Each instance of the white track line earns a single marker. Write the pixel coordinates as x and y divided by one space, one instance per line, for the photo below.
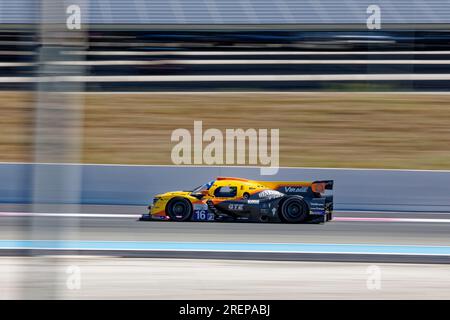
17 64
373 212
230 78
17 53
236 62
374 219
303 93
224 167
135 216
253 61
245 53
68 215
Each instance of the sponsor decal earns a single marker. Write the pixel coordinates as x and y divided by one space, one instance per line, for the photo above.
253 201
295 189
200 206
236 206
317 206
274 211
270 194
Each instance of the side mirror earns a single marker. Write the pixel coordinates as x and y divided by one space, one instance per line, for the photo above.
197 195
200 195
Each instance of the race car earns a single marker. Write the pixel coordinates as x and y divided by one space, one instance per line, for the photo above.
238 199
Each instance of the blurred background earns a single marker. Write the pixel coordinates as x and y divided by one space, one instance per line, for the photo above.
350 84
138 71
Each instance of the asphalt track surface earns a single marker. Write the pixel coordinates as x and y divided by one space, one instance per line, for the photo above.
349 228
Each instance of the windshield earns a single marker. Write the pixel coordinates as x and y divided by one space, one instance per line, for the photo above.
205 186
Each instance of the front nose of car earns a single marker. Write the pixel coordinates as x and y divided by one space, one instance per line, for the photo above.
154 201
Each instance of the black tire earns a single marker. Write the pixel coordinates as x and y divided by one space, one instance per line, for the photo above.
294 210
246 195
179 209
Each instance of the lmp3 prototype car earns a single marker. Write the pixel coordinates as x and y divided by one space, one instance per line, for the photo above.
236 199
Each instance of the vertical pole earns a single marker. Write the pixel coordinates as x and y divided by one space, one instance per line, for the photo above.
57 139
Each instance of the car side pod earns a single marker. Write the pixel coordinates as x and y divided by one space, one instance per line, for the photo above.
149 217
146 217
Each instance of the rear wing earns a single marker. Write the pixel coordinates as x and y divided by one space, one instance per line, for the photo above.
300 187
321 186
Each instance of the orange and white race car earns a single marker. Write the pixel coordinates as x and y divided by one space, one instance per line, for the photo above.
237 199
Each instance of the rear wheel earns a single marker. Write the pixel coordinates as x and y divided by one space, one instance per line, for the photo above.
179 209
294 210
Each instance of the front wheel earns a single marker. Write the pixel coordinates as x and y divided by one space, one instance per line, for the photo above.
294 210
179 209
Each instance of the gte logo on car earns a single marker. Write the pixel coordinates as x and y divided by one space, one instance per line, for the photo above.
236 206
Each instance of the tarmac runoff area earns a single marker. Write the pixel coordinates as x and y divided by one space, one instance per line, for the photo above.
119 278
198 274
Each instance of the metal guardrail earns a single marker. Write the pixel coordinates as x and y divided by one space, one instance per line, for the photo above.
354 189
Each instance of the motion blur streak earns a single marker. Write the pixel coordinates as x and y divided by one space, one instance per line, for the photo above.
119 278
56 137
